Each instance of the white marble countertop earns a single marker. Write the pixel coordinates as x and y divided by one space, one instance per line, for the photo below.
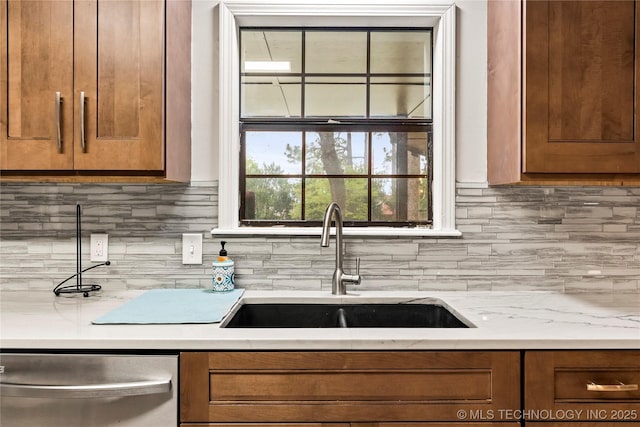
502 320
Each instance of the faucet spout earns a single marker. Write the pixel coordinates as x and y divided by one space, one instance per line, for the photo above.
340 279
333 210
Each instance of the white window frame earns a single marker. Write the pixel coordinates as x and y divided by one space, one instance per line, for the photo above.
236 13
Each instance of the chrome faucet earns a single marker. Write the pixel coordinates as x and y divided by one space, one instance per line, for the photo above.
340 279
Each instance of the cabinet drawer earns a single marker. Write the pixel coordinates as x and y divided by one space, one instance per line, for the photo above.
585 424
427 424
437 424
346 386
586 385
264 425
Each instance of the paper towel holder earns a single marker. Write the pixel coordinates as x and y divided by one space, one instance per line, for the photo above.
78 288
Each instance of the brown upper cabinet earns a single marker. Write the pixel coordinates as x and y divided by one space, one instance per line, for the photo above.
563 91
85 86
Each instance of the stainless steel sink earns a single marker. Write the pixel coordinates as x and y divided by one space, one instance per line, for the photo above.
363 315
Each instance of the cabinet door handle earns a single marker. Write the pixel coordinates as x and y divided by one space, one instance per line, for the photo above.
81 107
611 387
58 120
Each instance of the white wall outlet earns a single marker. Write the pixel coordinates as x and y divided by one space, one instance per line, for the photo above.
192 248
99 247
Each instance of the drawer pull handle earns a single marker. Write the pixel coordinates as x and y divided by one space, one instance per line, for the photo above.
612 387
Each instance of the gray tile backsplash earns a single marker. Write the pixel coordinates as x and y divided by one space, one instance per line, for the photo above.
567 239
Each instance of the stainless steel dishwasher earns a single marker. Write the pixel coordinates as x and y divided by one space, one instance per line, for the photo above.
69 390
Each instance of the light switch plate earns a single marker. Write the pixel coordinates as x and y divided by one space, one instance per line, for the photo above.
99 247
192 248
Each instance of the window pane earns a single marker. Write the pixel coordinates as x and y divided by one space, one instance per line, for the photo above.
350 193
399 199
273 153
275 199
401 52
336 52
336 153
262 49
263 96
400 97
399 153
335 85
335 97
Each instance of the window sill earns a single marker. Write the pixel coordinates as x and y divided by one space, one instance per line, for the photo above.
347 231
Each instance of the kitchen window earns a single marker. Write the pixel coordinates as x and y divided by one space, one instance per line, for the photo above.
298 129
335 114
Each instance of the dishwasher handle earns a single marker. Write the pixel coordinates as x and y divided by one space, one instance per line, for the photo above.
86 391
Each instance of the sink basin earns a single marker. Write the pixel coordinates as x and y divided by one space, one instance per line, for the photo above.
373 315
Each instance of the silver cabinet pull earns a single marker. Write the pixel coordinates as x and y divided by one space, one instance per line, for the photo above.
58 120
81 107
86 391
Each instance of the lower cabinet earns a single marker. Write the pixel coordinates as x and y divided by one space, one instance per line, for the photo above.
264 424
582 424
363 389
480 424
460 424
411 389
598 388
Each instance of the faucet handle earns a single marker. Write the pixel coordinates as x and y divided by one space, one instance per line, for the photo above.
355 278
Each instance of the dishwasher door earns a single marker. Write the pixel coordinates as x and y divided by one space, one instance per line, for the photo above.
73 390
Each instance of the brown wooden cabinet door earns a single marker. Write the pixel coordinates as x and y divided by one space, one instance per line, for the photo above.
36 50
581 71
586 385
583 424
118 61
429 424
266 425
110 52
326 386
403 424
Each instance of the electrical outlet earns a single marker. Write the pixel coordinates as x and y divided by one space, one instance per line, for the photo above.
192 248
99 247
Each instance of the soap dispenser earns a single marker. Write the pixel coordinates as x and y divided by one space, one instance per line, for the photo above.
223 271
